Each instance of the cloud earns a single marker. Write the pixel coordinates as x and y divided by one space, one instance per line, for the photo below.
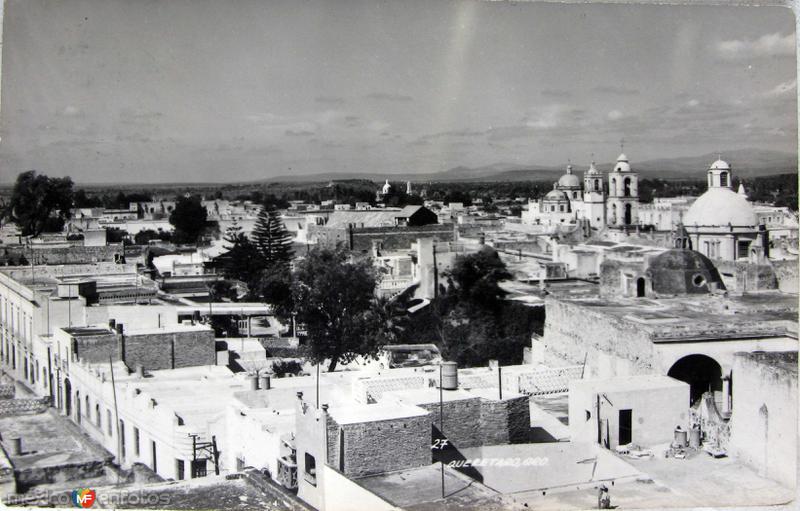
454 133
71 111
556 93
387 96
329 100
616 90
614 115
785 88
769 45
302 133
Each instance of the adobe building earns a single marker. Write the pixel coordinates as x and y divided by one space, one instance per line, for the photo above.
666 313
643 410
764 424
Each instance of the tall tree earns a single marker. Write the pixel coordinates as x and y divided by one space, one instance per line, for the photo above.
189 219
272 239
39 203
241 261
334 297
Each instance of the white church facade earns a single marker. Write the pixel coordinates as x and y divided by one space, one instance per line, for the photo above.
615 205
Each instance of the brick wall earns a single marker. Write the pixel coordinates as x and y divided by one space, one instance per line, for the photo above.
381 446
97 348
461 421
168 351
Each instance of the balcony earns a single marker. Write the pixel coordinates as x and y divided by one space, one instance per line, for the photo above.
287 472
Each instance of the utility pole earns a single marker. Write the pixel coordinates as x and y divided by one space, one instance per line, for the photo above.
441 407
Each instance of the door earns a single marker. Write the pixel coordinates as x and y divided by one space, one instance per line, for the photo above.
625 427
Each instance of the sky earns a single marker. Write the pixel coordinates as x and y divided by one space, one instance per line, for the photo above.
203 90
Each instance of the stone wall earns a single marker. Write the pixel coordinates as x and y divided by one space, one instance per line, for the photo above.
786 273
462 426
63 255
381 446
747 276
506 421
612 347
23 406
7 391
392 238
77 472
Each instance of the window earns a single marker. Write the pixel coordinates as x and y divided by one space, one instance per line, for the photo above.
109 423
122 439
310 469
627 183
179 470
136 441
743 249
97 419
88 409
153 455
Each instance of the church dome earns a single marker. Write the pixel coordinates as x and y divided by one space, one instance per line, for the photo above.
623 165
720 207
569 181
720 165
680 271
556 195
592 170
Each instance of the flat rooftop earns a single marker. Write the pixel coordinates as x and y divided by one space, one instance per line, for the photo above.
763 314
629 383
48 440
383 411
421 488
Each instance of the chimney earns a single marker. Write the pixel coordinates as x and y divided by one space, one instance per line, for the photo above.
16 446
254 383
112 324
120 328
140 370
266 382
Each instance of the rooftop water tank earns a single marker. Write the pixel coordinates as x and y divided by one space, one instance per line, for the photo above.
449 376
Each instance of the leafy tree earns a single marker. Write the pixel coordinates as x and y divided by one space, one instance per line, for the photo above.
334 297
82 200
39 203
470 320
273 241
241 261
476 278
189 219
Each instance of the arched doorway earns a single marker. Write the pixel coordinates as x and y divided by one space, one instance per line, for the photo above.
640 283
628 214
67 397
701 372
78 406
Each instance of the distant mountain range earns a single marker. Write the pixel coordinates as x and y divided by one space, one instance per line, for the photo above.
747 163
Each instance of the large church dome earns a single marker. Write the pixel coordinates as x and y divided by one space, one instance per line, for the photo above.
569 181
720 207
